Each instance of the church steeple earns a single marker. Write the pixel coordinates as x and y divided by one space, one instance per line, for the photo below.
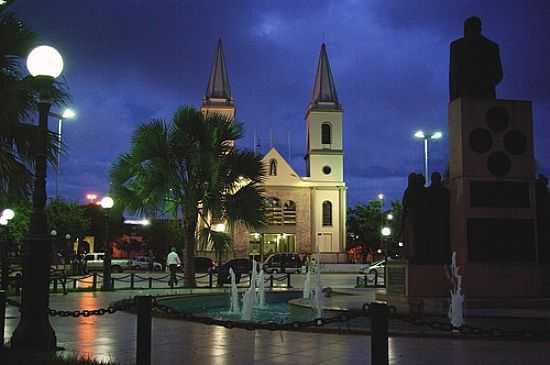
324 88
218 97
218 83
324 120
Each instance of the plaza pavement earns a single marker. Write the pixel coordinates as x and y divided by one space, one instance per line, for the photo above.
112 337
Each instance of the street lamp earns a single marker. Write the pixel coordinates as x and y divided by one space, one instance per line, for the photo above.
386 232
67 114
7 215
426 137
390 217
34 330
107 203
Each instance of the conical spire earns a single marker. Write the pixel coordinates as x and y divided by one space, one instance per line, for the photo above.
218 83
324 89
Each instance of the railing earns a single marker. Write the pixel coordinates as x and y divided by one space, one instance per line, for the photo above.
366 282
379 314
132 279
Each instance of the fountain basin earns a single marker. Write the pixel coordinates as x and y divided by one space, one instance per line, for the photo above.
277 308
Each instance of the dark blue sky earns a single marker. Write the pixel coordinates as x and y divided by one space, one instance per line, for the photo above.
128 61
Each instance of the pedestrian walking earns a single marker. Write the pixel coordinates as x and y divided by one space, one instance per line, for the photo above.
172 261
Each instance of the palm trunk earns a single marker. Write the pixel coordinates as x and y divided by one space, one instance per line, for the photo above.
190 228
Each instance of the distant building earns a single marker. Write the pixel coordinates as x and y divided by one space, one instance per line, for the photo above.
304 212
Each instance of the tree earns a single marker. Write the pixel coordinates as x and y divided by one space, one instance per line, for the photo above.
19 95
67 218
163 234
190 168
365 222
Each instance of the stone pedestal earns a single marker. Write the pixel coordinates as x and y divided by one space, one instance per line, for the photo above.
416 288
493 206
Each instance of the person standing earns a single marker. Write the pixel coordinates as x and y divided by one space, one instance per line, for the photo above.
172 261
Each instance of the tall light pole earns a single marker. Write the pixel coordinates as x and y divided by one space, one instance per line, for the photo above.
386 232
67 114
107 203
34 331
427 137
7 215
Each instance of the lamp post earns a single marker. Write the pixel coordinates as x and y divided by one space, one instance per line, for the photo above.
7 215
386 232
427 137
67 114
107 203
34 331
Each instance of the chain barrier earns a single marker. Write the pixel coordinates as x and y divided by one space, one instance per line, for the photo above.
467 330
121 305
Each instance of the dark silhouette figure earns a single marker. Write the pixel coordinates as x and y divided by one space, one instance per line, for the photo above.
413 221
408 216
543 216
475 67
438 218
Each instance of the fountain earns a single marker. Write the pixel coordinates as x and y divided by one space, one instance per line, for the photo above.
456 308
307 282
261 288
235 307
249 297
317 301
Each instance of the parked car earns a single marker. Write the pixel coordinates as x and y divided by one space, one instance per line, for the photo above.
375 267
202 264
145 263
94 262
289 262
240 267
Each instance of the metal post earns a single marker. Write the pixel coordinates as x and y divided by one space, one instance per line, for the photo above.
58 168
143 346
94 280
34 331
210 274
4 258
271 280
112 283
426 159
2 316
107 269
288 281
131 280
379 338
150 282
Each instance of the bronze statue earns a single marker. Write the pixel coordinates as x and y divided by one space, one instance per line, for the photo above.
475 68
438 215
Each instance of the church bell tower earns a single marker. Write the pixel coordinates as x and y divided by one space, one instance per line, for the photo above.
325 153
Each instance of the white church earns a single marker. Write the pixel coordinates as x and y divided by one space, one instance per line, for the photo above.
304 212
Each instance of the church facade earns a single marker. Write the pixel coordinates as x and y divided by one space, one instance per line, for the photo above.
304 213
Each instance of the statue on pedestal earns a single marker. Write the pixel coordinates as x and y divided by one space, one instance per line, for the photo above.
475 67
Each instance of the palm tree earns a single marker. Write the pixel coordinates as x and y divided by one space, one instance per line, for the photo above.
188 168
18 95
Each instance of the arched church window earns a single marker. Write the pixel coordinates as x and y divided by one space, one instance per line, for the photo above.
273 167
289 212
327 213
274 211
326 134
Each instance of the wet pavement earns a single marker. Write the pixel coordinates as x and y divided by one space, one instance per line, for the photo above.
112 337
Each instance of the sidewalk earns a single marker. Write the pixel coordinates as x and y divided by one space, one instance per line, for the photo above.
112 337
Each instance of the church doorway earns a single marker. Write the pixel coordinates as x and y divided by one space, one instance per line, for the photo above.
265 244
